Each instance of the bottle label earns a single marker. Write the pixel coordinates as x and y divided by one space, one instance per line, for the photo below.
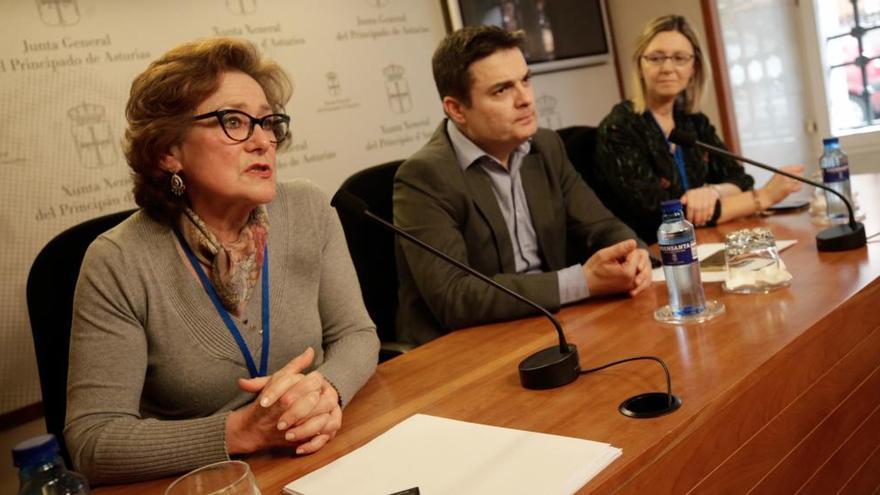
836 174
683 253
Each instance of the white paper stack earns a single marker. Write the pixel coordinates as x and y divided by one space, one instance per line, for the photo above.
445 456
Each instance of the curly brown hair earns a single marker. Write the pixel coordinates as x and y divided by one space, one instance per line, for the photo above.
161 105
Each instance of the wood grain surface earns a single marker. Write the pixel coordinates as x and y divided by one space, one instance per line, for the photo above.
781 394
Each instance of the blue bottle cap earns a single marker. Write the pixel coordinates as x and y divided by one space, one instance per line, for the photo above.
670 206
36 450
831 140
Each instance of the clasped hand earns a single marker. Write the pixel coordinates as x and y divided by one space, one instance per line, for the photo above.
622 267
700 204
291 409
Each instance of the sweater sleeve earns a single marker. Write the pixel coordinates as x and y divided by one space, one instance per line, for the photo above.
109 440
349 336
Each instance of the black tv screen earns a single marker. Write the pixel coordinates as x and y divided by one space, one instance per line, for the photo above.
559 33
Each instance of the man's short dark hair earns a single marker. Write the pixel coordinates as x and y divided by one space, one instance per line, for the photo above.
460 49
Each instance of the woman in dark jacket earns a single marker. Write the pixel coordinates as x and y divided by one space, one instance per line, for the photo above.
637 168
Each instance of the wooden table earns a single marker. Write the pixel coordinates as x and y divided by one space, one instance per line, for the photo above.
780 394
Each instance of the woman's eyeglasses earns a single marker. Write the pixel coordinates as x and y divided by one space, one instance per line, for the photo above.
679 59
239 126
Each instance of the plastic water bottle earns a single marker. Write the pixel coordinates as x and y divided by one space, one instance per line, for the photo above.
41 470
835 174
681 266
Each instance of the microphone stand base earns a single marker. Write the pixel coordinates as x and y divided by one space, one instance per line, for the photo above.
550 368
841 238
649 405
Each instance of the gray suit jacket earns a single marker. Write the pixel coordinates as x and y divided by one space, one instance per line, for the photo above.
456 211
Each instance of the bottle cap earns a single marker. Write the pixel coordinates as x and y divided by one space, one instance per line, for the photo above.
670 206
831 140
35 450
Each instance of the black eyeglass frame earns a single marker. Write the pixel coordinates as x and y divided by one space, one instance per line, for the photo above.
220 114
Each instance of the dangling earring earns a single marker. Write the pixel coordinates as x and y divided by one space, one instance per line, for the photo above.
177 185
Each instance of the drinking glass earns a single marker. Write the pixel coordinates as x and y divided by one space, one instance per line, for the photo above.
221 478
753 262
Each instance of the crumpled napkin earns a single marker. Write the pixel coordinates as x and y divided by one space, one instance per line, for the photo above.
758 273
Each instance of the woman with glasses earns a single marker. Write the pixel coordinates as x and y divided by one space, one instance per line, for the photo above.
224 317
637 167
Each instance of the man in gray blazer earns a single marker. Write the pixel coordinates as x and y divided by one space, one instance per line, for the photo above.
496 192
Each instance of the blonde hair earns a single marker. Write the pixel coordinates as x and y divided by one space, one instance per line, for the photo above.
689 100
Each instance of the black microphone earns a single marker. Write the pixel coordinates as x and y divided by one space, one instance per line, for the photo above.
836 238
549 368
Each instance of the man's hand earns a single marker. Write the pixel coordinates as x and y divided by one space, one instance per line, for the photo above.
622 267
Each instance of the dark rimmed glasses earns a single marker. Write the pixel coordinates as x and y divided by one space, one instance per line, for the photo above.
239 126
679 59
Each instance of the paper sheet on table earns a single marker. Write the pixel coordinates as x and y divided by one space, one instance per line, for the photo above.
706 250
440 456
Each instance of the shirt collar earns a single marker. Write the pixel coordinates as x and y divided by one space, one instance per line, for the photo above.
468 153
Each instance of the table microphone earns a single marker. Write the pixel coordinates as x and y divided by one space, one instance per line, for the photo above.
549 368
836 238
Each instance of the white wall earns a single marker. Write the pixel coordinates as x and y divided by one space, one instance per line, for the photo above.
65 70
581 96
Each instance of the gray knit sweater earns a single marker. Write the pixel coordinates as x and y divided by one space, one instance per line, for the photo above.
153 369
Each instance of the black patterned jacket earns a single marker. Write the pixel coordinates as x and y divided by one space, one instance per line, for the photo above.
634 170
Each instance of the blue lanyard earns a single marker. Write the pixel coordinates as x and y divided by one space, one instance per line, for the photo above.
678 156
679 162
212 293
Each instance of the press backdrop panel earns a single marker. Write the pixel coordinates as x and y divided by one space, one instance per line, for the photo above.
363 95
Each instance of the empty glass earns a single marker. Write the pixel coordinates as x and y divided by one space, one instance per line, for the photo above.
753 262
221 478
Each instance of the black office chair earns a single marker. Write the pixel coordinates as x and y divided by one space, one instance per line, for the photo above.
50 288
372 251
580 146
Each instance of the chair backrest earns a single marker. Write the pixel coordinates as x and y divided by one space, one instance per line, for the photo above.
372 247
580 146
50 288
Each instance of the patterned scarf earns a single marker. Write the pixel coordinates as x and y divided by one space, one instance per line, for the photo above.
234 267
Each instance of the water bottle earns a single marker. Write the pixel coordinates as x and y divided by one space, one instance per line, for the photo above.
835 174
681 266
41 470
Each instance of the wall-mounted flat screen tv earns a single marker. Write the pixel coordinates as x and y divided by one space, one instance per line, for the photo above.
560 34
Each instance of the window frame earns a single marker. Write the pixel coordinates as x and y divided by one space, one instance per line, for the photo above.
858 142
